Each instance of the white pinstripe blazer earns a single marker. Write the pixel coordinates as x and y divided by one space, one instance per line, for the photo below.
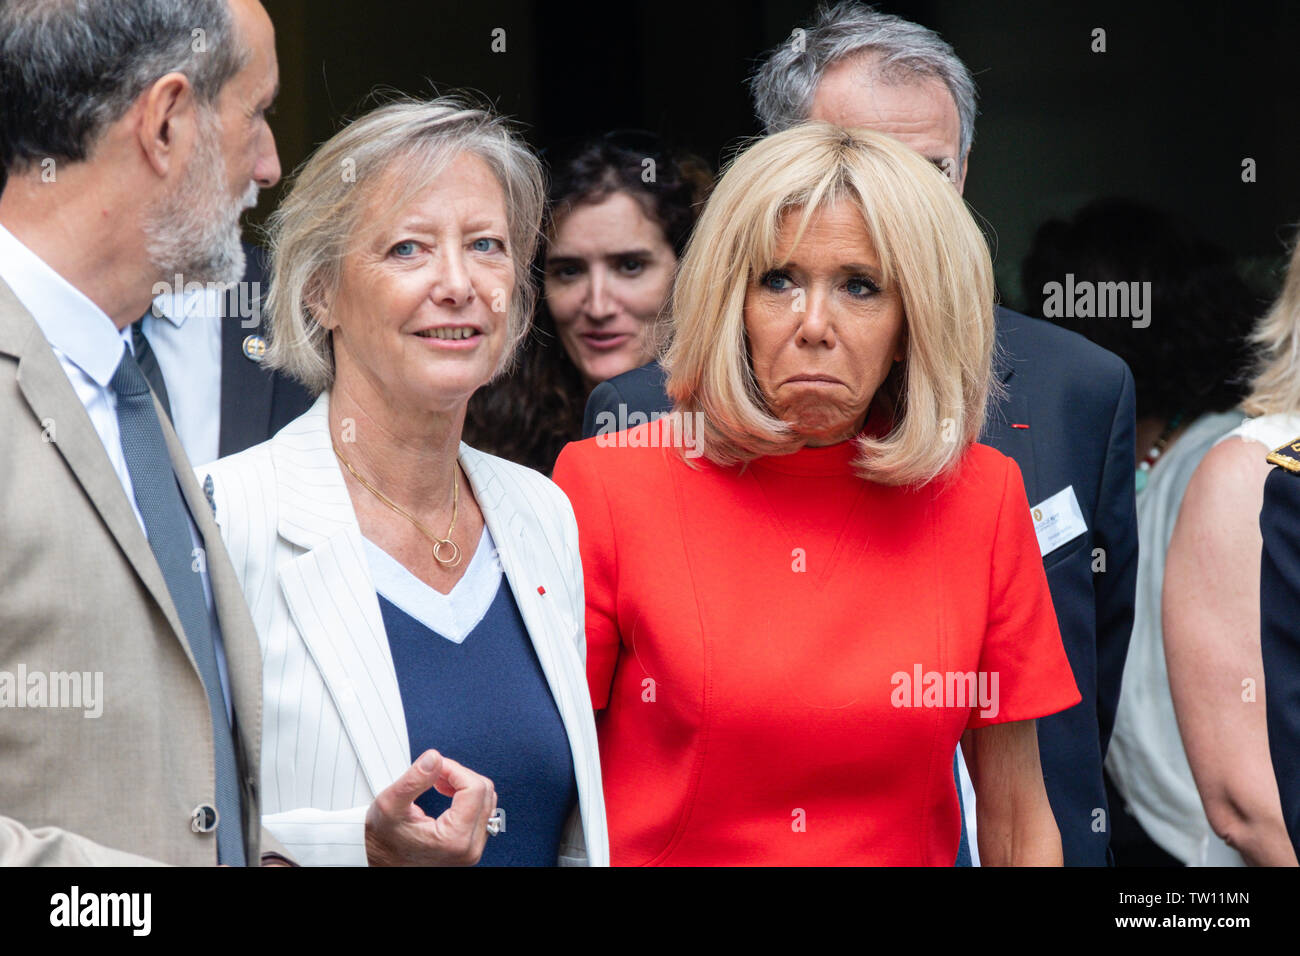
334 731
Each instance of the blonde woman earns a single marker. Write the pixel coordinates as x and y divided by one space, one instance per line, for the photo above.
418 603
1211 607
789 635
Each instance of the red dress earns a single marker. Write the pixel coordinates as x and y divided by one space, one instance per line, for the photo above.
785 655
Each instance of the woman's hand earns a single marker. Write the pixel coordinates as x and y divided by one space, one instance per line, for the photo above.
399 833
1013 820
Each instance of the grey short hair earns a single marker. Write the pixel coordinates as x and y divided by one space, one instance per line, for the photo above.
70 68
321 219
786 80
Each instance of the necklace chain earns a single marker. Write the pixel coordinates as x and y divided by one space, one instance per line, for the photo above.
1157 449
439 544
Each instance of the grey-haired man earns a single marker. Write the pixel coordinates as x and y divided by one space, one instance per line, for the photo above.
132 135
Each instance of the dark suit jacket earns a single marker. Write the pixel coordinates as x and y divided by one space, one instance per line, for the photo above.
255 401
1279 636
1076 403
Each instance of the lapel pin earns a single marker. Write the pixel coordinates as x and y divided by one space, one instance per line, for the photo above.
1019 426
254 347
540 589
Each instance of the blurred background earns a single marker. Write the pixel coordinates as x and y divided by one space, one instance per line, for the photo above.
1182 95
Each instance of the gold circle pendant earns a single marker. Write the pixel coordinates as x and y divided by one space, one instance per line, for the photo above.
439 546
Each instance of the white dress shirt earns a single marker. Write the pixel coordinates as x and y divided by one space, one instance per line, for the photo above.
187 342
89 348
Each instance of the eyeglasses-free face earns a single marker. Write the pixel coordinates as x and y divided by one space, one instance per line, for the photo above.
608 274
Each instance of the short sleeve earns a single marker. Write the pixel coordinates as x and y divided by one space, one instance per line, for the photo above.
1022 648
582 483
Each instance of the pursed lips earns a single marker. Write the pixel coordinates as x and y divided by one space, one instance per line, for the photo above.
812 380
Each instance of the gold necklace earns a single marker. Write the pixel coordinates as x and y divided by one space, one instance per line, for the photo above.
439 544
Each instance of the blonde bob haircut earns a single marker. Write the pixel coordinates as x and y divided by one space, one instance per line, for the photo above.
1275 386
384 159
931 252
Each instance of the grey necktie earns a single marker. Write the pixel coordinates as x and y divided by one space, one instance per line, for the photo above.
166 523
148 363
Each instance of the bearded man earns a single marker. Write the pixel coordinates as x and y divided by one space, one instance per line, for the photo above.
132 136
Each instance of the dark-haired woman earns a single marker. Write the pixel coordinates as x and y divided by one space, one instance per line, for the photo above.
620 210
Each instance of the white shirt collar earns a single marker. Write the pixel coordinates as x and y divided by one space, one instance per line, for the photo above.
70 322
178 305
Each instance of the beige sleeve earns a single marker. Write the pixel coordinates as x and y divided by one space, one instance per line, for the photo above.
50 846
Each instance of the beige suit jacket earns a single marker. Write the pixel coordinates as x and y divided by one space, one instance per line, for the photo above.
81 592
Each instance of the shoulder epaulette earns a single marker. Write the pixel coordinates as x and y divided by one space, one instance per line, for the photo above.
1287 456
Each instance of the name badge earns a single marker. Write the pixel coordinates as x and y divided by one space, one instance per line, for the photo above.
1057 520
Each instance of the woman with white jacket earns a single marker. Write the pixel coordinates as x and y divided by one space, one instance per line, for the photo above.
419 604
